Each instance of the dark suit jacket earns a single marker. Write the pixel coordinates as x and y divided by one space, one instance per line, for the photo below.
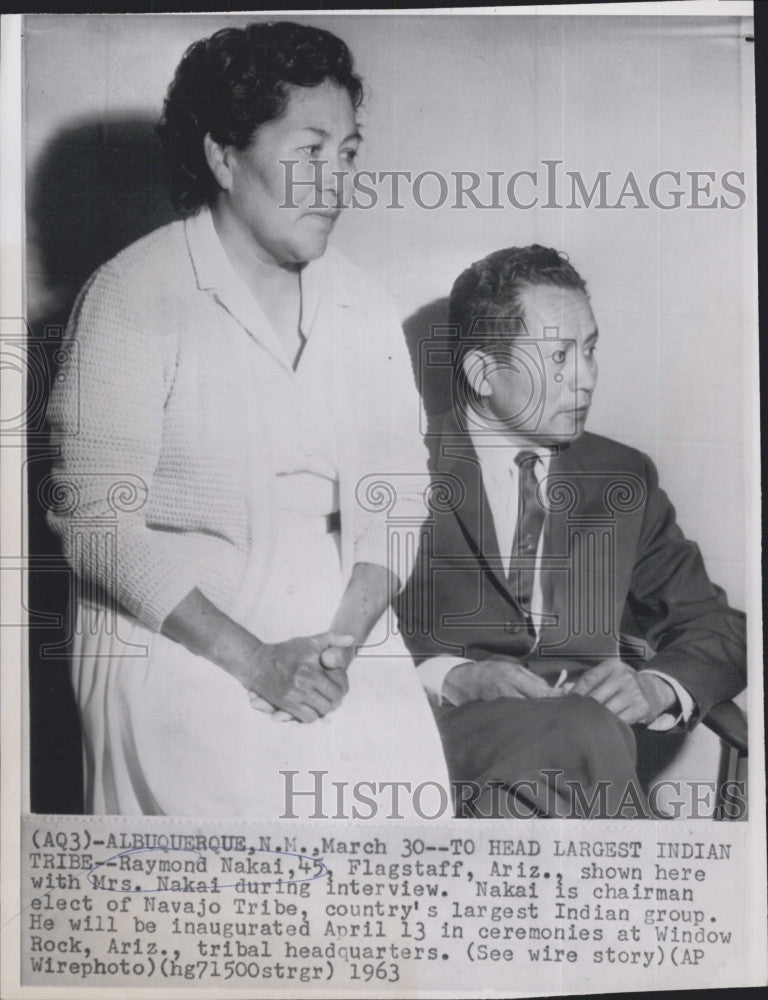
617 575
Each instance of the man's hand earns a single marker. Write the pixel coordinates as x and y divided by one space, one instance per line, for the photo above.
291 676
634 696
486 680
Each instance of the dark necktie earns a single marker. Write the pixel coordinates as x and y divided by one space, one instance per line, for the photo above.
530 520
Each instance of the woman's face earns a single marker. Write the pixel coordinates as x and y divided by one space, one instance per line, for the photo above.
289 209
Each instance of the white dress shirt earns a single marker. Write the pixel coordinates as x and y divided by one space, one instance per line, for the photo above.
501 482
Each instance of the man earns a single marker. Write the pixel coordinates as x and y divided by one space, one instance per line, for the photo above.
555 603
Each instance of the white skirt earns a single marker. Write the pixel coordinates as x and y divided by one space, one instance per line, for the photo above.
167 732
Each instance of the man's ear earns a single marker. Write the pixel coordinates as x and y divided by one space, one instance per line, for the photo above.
477 367
218 159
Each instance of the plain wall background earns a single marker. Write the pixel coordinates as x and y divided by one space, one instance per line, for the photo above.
672 290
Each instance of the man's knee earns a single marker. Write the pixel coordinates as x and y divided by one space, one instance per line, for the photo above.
589 728
512 735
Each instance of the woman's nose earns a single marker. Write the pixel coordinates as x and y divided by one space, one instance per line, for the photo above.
330 177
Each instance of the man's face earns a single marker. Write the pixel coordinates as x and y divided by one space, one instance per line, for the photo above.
541 390
317 124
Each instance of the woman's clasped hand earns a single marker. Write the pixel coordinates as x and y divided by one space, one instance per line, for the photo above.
305 677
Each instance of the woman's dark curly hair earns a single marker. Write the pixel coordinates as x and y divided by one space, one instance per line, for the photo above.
229 84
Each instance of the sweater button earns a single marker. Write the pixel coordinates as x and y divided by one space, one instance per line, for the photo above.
511 628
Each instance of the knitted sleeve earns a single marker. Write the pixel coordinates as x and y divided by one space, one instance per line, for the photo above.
106 416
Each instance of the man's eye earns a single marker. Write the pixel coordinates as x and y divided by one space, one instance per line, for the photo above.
590 353
313 150
349 155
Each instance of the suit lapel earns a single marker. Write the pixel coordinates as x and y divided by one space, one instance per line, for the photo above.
575 583
564 493
457 457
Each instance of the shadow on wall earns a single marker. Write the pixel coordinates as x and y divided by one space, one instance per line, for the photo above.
97 186
432 348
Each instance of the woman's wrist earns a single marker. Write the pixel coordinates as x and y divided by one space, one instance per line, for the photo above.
203 629
370 591
239 653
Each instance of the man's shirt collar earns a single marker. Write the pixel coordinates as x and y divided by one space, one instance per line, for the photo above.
497 453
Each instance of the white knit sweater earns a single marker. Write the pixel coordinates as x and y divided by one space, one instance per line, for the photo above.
175 387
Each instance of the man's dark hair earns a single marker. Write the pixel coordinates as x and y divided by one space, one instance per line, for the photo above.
229 84
491 290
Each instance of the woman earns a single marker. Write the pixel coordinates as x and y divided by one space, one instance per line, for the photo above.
236 394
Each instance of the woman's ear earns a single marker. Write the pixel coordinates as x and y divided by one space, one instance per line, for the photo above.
477 367
219 161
